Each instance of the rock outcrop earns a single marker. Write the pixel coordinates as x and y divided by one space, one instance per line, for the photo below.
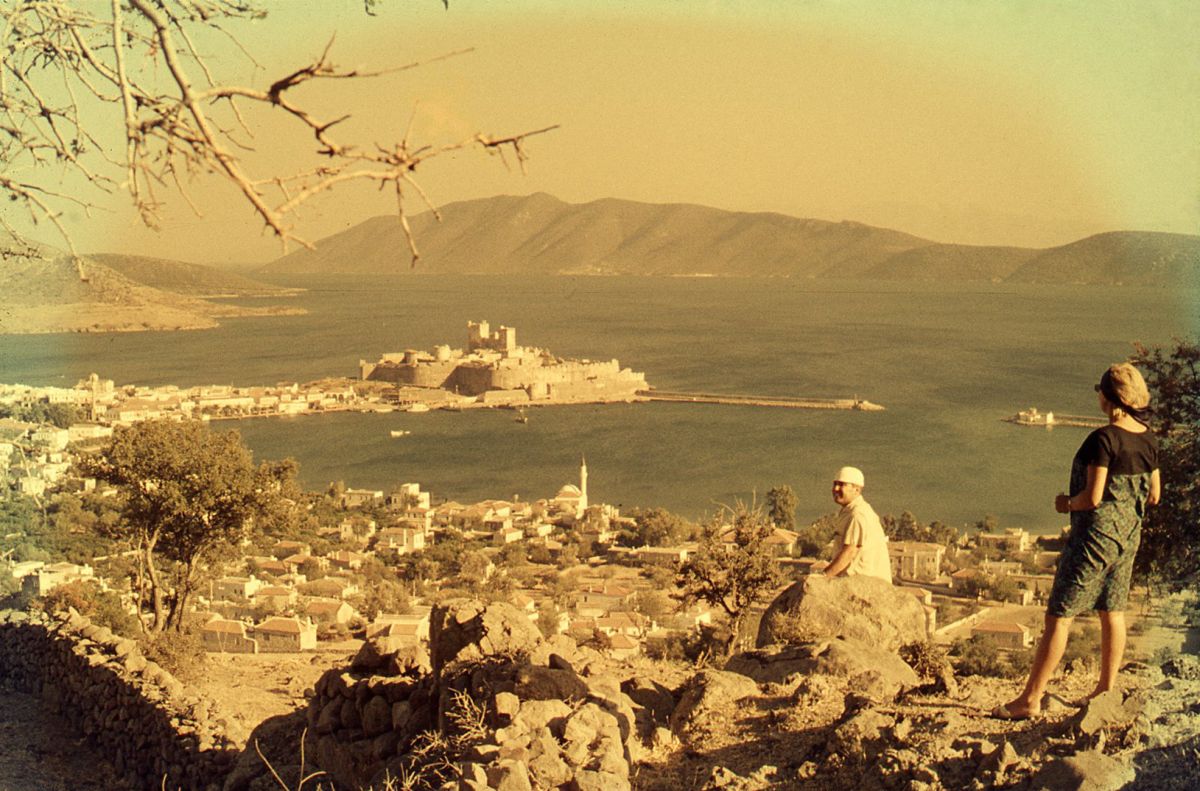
784 664
866 609
485 707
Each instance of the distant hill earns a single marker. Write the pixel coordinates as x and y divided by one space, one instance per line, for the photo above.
541 234
42 290
184 278
1119 257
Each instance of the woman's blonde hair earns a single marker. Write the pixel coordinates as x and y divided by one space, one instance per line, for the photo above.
1128 385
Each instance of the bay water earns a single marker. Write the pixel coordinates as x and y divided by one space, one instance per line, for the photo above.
947 361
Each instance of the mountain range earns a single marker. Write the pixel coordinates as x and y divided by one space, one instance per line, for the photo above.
540 234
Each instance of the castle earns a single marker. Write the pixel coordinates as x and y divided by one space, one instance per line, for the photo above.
495 371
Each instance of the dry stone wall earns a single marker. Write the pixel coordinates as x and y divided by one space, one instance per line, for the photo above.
128 707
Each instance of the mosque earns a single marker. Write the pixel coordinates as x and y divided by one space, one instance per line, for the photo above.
572 498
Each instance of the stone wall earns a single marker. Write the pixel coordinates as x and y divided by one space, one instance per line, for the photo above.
129 708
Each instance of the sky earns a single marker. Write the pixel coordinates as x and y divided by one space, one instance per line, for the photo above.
984 122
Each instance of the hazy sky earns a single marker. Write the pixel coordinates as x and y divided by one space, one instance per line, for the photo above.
1027 123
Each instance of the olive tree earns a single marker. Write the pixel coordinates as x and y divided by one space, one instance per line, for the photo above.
733 568
188 495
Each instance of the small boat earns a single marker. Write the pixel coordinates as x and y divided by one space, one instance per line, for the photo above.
396 432
418 407
521 416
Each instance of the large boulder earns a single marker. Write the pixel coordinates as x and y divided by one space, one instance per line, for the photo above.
468 630
1089 770
840 658
707 698
866 609
391 656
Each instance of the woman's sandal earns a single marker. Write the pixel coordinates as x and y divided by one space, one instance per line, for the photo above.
1002 712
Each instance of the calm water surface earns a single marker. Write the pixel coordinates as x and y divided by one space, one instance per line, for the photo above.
947 361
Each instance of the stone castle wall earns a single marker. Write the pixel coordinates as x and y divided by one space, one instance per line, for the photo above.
425 374
129 708
571 379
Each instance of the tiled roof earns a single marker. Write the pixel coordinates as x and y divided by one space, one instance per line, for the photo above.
280 626
222 626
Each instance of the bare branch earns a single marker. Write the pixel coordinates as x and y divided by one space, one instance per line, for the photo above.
174 130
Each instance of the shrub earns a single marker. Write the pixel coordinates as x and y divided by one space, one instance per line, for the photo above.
980 656
180 653
926 657
1083 645
103 608
1162 655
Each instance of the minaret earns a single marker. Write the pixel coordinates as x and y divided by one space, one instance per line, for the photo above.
583 498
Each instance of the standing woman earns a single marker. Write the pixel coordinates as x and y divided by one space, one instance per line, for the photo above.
1114 476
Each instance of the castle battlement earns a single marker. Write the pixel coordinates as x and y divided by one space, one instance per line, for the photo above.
494 362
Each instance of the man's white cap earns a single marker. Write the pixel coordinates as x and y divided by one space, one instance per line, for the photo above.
850 475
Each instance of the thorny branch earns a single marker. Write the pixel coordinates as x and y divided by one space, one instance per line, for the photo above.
61 64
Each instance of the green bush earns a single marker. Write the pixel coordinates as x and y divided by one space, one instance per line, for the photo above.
926 657
1083 645
103 608
180 653
1162 655
980 656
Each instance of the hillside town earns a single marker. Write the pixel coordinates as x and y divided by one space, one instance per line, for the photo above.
493 372
572 564
355 596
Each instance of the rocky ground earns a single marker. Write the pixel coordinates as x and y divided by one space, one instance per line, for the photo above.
253 688
819 714
38 750
833 715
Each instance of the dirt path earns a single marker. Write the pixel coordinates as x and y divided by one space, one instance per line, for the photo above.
250 688
39 750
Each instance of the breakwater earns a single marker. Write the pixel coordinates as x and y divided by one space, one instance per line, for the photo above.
760 400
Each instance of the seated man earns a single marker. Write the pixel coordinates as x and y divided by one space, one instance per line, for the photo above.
862 547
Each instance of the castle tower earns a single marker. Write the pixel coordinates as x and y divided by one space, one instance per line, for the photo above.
583 498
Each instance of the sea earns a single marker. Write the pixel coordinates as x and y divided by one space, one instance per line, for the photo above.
948 361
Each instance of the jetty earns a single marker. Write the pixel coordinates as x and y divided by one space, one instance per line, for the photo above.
788 402
1032 417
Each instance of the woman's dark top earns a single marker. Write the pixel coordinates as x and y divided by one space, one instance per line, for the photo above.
1130 458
